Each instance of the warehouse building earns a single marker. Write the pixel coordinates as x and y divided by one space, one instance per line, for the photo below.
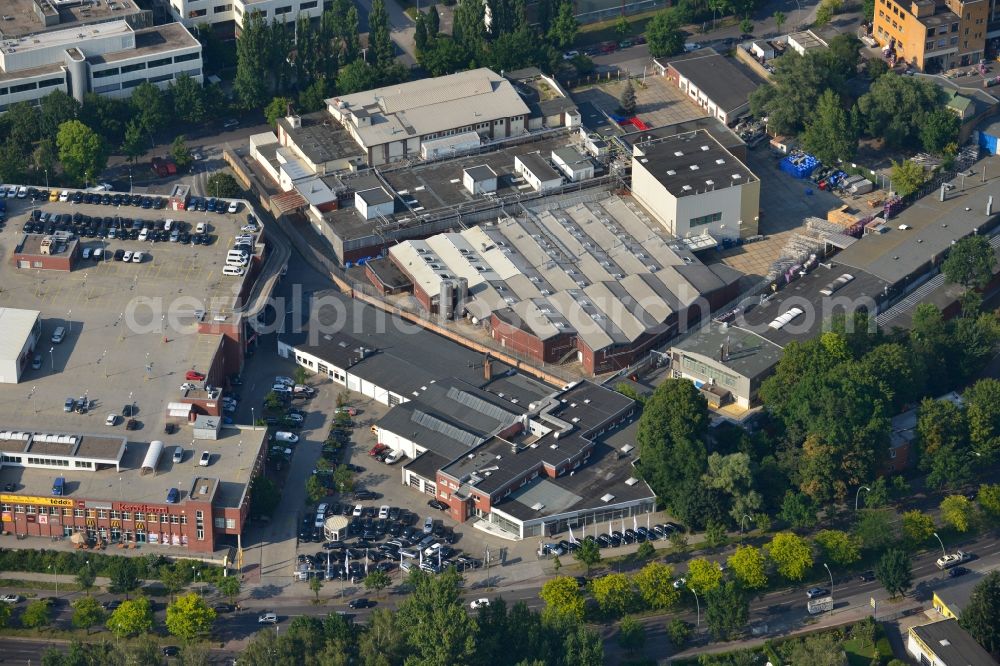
79 47
392 123
102 488
713 82
20 331
594 283
946 643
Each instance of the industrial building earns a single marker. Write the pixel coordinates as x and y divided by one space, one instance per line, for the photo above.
713 82
53 252
533 469
594 282
393 122
946 643
78 47
235 12
104 488
20 331
693 187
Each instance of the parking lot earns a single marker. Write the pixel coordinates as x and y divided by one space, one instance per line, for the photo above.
130 328
659 103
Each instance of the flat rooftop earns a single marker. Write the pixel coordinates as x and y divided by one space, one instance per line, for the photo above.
67 36
227 475
151 41
31 244
748 353
719 78
23 20
952 644
689 164
15 327
321 139
933 226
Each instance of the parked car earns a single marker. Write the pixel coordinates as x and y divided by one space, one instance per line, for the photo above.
435 504
814 592
10 598
194 376
267 618
355 604
476 604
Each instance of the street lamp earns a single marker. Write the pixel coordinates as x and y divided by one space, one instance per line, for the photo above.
857 495
944 553
52 356
743 520
69 320
697 606
831 585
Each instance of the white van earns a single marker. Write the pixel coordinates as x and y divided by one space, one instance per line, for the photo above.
202 227
233 271
97 254
236 260
168 224
144 234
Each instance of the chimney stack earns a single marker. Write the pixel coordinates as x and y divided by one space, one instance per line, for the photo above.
488 368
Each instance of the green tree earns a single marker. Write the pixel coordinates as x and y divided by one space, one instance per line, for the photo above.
87 612
970 262
779 20
918 527
383 644
36 615
797 83
229 587
622 27
703 575
432 617
943 440
176 577
133 145
645 550
958 512
816 650
798 510
981 615
671 435
468 26
150 107
5 615
664 34
44 156
562 597
134 616
746 25
989 500
749 567
826 11
678 631
313 98
81 151
277 109
377 581
655 585
613 593
314 490
443 57
56 108
839 547
565 26
315 585
356 76
829 133
588 554
631 635
124 575
264 497
733 475
378 34
420 33
939 130
894 571
791 554
188 99
875 528
895 107
627 101
85 578
250 85
221 184
727 610
189 617
433 22
180 152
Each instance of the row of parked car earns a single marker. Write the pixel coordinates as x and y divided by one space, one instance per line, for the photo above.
616 538
105 198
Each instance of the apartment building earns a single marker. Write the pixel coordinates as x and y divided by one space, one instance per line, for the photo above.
933 36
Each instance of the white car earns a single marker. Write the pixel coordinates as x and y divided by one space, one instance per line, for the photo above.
10 598
233 207
954 559
188 386
383 512
393 457
569 55
128 256
138 257
289 437
295 418
64 195
358 510
206 457
267 618
679 583
249 228
22 192
287 381
111 420
476 604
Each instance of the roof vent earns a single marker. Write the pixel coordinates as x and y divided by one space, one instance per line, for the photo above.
720 161
678 153
694 167
671 172
537 506
607 498
631 481
705 148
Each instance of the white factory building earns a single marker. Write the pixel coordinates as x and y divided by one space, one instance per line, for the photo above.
78 50
19 333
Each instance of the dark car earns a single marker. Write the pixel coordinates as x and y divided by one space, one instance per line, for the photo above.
434 504
604 541
171 651
365 495
867 576
222 608
355 604
955 572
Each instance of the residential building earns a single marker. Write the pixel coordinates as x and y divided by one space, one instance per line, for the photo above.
391 123
20 331
933 35
950 599
693 186
945 643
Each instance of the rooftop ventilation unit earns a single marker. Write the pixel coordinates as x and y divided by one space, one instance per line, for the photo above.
607 498
631 481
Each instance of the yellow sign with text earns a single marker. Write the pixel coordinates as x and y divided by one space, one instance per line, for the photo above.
28 499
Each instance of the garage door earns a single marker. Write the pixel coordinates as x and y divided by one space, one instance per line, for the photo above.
23 264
